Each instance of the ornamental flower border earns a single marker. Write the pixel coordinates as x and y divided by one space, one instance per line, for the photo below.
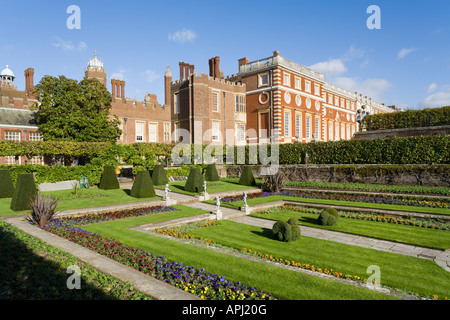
395 200
206 285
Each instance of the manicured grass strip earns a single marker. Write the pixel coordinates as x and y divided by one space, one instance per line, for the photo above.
437 239
280 282
421 276
31 269
211 187
109 197
382 206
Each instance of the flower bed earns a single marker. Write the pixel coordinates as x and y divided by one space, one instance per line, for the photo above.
197 281
110 215
431 224
395 200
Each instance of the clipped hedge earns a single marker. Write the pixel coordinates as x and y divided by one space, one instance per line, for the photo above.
211 173
428 117
6 184
142 186
109 179
194 182
247 178
56 173
159 177
24 192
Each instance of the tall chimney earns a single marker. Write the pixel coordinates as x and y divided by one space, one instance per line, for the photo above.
181 70
122 93
167 84
216 67
113 89
29 85
186 71
211 67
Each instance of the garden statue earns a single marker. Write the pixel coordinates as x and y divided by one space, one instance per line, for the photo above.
166 191
218 203
218 211
245 198
204 187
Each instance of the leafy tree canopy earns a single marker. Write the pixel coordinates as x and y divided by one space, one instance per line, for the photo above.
75 111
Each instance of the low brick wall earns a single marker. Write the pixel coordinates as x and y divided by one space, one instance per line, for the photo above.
426 175
406 132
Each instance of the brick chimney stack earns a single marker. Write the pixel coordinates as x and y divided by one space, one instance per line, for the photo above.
186 70
167 84
242 62
29 82
214 67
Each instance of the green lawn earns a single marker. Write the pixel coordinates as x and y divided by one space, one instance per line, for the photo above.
398 271
211 187
256 201
93 198
438 239
281 282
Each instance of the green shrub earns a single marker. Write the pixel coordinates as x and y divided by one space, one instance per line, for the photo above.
194 182
211 173
6 184
159 177
142 186
293 221
109 179
407 119
282 231
24 192
247 178
328 217
295 232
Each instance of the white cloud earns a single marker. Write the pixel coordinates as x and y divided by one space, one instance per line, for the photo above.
120 74
353 53
438 99
151 75
185 35
431 87
330 68
69 45
372 87
404 52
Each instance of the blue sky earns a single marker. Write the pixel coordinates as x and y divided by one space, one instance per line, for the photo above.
405 63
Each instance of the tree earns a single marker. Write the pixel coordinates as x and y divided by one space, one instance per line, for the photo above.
75 111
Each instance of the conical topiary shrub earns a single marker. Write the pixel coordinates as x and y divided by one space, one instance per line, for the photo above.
142 186
247 178
211 173
6 184
159 177
194 182
24 192
109 179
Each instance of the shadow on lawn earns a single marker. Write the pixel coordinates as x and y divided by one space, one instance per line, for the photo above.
267 233
24 275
